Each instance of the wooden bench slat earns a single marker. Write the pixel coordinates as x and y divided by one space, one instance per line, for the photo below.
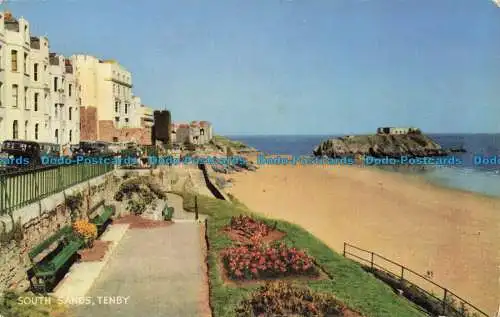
48 242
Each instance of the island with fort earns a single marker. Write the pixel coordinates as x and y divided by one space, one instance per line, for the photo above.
387 142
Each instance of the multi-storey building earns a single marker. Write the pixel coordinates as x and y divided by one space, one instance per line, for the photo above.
110 112
26 95
15 116
64 121
147 116
40 88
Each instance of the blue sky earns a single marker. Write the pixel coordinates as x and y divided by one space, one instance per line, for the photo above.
297 66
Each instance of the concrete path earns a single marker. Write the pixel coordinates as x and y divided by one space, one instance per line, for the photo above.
158 271
176 202
82 275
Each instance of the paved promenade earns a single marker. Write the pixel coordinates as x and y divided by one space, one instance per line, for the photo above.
160 271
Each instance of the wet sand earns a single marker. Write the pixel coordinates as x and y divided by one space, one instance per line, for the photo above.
454 234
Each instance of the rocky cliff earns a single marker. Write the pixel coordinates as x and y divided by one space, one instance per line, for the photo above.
415 145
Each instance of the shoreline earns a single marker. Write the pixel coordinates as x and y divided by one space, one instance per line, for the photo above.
426 226
422 175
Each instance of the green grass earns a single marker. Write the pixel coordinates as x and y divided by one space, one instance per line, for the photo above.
227 142
350 284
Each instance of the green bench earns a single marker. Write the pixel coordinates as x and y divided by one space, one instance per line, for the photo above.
103 219
167 212
46 269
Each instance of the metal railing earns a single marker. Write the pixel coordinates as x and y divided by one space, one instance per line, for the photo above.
25 186
420 289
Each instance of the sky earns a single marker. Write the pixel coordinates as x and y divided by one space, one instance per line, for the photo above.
294 66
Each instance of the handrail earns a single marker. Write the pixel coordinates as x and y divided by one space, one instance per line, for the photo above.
404 269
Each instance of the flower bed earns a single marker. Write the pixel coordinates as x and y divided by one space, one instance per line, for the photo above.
250 231
260 262
249 226
286 299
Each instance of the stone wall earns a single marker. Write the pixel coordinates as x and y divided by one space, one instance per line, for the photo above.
108 132
14 261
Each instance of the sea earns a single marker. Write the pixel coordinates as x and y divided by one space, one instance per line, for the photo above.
478 178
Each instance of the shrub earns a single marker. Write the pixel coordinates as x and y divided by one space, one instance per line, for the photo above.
286 299
73 202
257 261
137 207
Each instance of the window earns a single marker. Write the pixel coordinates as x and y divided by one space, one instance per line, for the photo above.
25 63
55 83
126 108
35 72
15 132
35 101
15 96
25 97
69 113
116 106
117 119
1 93
70 136
56 135
36 131
55 111
70 86
126 120
13 60
26 130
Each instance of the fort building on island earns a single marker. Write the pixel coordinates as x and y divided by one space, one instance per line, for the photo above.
397 130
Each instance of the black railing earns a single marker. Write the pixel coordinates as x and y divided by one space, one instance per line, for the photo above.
416 287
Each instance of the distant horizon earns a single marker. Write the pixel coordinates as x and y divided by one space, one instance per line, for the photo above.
294 67
336 134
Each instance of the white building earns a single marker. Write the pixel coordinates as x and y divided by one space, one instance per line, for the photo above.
40 88
25 91
147 116
107 86
64 112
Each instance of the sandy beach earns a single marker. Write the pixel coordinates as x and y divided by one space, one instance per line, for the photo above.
454 234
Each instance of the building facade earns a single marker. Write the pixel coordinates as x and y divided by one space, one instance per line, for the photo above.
110 112
196 132
147 116
396 130
64 114
26 95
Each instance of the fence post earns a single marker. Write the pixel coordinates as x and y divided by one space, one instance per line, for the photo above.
444 301
371 261
402 275
59 178
196 207
3 193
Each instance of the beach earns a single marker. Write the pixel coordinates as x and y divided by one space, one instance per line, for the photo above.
454 234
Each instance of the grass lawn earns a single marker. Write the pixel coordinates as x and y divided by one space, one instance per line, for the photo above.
351 284
227 142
